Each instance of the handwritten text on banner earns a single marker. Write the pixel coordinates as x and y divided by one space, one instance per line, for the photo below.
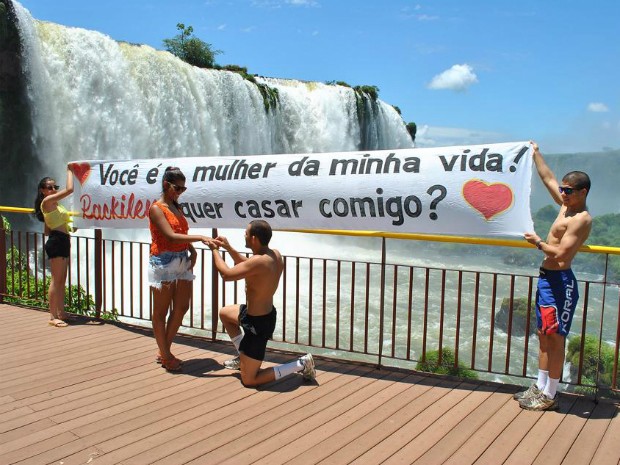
480 190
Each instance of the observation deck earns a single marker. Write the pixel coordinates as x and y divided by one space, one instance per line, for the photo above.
92 393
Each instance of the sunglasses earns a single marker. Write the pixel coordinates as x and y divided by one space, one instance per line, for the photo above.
567 190
52 188
178 188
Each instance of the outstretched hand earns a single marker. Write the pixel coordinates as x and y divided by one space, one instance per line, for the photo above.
532 237
222 242
210 243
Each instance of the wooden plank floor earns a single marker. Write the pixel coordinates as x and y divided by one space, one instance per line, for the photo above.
92 394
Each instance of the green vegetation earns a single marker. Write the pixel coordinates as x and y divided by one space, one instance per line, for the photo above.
338 83
519 316
23 288
241 70
412 129
198 53
271 97
370 91
592 363
446 367
191 49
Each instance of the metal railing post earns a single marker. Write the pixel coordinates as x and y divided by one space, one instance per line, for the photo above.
98 273
382 303
600 336
214 295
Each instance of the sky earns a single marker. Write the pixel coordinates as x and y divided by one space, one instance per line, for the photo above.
466 72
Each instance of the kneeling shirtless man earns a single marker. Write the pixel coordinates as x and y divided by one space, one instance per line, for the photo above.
251 325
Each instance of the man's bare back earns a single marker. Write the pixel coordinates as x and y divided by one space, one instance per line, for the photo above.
261 271
262 285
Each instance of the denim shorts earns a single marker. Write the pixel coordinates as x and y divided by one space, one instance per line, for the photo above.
169 267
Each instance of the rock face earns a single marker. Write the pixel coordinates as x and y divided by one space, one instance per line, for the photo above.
15 121
519 316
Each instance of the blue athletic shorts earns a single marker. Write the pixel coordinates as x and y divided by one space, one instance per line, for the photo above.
556 300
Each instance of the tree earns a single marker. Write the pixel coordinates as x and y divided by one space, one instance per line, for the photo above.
191 49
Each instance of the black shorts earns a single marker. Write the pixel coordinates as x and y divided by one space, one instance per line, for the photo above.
58 245
257 330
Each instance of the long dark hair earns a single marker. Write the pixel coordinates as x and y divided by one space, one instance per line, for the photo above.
39 198
172 175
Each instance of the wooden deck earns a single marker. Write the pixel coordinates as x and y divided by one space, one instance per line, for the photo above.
92 394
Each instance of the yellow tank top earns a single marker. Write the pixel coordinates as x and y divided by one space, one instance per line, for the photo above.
57 218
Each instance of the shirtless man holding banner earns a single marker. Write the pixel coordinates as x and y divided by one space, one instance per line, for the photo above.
557 294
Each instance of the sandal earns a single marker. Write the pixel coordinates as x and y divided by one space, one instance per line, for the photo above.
158 359
58 323
69 316
172 364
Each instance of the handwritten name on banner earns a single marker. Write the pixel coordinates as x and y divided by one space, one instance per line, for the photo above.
481 190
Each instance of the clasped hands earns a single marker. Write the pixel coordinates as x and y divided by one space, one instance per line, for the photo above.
216 243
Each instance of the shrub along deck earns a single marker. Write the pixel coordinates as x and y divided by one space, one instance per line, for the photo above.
92 393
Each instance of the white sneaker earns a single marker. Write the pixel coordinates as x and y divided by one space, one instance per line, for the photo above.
540 403
309 373
532 391
233 363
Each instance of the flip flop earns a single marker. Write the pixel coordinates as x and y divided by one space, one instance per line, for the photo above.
58 323
158 359
172 364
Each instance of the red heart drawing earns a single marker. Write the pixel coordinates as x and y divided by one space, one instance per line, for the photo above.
488 199
81 171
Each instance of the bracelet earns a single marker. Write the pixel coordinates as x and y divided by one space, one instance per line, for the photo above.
538 244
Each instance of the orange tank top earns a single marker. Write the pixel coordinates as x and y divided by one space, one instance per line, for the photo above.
159 243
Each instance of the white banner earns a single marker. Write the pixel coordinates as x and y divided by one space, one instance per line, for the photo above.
480 190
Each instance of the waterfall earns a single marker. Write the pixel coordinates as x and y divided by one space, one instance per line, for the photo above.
92 97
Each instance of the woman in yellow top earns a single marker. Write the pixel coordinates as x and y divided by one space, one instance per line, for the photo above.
58 245
171 260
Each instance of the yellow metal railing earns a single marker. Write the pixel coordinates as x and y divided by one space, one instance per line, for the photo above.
406 236
25 210
451 239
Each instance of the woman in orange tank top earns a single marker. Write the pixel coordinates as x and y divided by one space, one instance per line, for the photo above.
171 261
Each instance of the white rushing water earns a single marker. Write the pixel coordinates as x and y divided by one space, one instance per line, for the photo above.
95 98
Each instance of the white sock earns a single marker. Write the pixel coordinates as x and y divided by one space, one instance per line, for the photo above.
543 376
288 369
551 387
237 341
